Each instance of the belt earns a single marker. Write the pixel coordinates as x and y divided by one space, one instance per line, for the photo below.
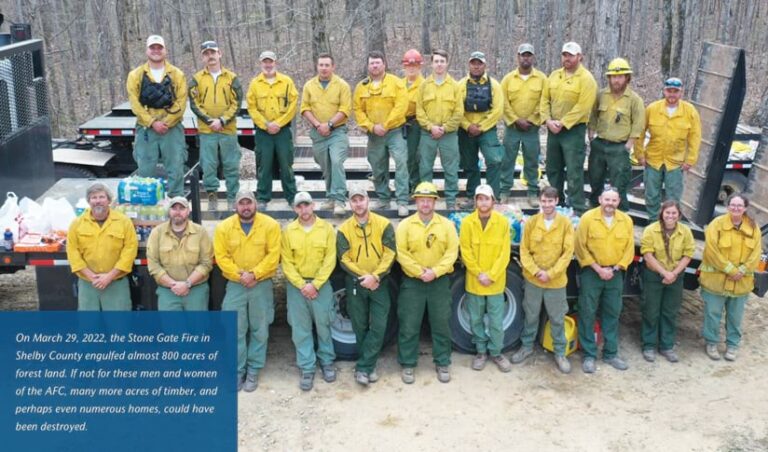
611 142
410 118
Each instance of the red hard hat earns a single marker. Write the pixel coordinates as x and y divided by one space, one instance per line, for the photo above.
412 56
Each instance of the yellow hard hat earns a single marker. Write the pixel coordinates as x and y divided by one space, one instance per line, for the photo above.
618 66
425 190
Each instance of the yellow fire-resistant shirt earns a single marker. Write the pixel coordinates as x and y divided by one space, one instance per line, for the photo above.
545 249
674 140
596 242
486 119
170 115
569 98
216 99
681 244
258 252
368 249
523 96
272 102
308 256
434 245
102 248
440 105
620 119
384 103
179 257
413 92
324 103
485 251
727 251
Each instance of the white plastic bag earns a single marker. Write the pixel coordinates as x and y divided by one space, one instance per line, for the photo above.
34 219
59 213
9 214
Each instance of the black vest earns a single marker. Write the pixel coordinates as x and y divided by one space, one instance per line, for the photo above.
479 96
156 95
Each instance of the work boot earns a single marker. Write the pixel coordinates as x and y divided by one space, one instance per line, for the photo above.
469 204
339 209
616 362
251 382
328 204
712 352
649 355
502 363
307 381
730 354
443 374
361 378
231 205
408 375
588 365
240 380
563 365
373 377
455 207
329 373
261 206
670 355
376 204
479 362
533 201
522 354
402 211
213 201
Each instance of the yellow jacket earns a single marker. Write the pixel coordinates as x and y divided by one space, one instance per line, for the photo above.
728 250
384 104
619 119
171 115
523 97
272 102
485 251
308 255
549 250
218 99
674 140
569 98
419 246
178 258
596 242
324 103
680 244
368 249
440 105
258 252
101 248
486 119
413 93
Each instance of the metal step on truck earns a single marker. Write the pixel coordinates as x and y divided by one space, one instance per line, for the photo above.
27 157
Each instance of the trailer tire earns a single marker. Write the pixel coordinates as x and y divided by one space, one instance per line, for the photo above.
461 333
64 170
733 182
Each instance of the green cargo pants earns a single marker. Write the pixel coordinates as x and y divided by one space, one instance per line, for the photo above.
609 159
713 312
449 158
671 180
594 294
255 312
661 303
116 297
196 299
302 314
556 304
478 306
565 163
414 297
215 148
413 136
271 147
330 153
487 143
380 149
515 138
369 312
149 147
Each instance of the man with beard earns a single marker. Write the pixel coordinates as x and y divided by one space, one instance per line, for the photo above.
180 257
365 246
157 91
565 107
247 250
522 90
308 252
101 247
326 101
412 62
605 247
215 95
617 121
485 252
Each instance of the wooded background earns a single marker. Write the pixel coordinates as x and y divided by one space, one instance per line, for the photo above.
91 45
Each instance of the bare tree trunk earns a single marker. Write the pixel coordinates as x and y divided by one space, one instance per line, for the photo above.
320 41
607 30
128 29
268 15
426 14
666 40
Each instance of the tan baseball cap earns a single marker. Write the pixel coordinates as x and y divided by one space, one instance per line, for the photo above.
155 39
484 189
178 200
572 48
302 197
244 194
267 55
357 191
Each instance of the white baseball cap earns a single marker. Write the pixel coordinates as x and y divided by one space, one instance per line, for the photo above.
572 48
484 189
155 39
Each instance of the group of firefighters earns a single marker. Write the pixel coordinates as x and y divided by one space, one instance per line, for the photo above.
411 120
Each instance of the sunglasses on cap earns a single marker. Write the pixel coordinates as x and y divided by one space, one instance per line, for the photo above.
673 83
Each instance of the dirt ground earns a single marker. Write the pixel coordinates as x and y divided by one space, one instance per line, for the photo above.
697 404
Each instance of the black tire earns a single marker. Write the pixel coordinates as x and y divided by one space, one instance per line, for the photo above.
67 171
461 333
733 182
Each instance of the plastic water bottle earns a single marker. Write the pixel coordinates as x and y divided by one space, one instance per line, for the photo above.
80 207
8 240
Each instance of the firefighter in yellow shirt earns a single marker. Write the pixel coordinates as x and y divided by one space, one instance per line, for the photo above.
412 62
485 251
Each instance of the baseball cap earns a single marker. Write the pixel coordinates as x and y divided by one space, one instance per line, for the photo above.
525 48
357 191
209 45
484 189
244 194
267 55
477 56
572 48
178 200
155 39
673 82
302 197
